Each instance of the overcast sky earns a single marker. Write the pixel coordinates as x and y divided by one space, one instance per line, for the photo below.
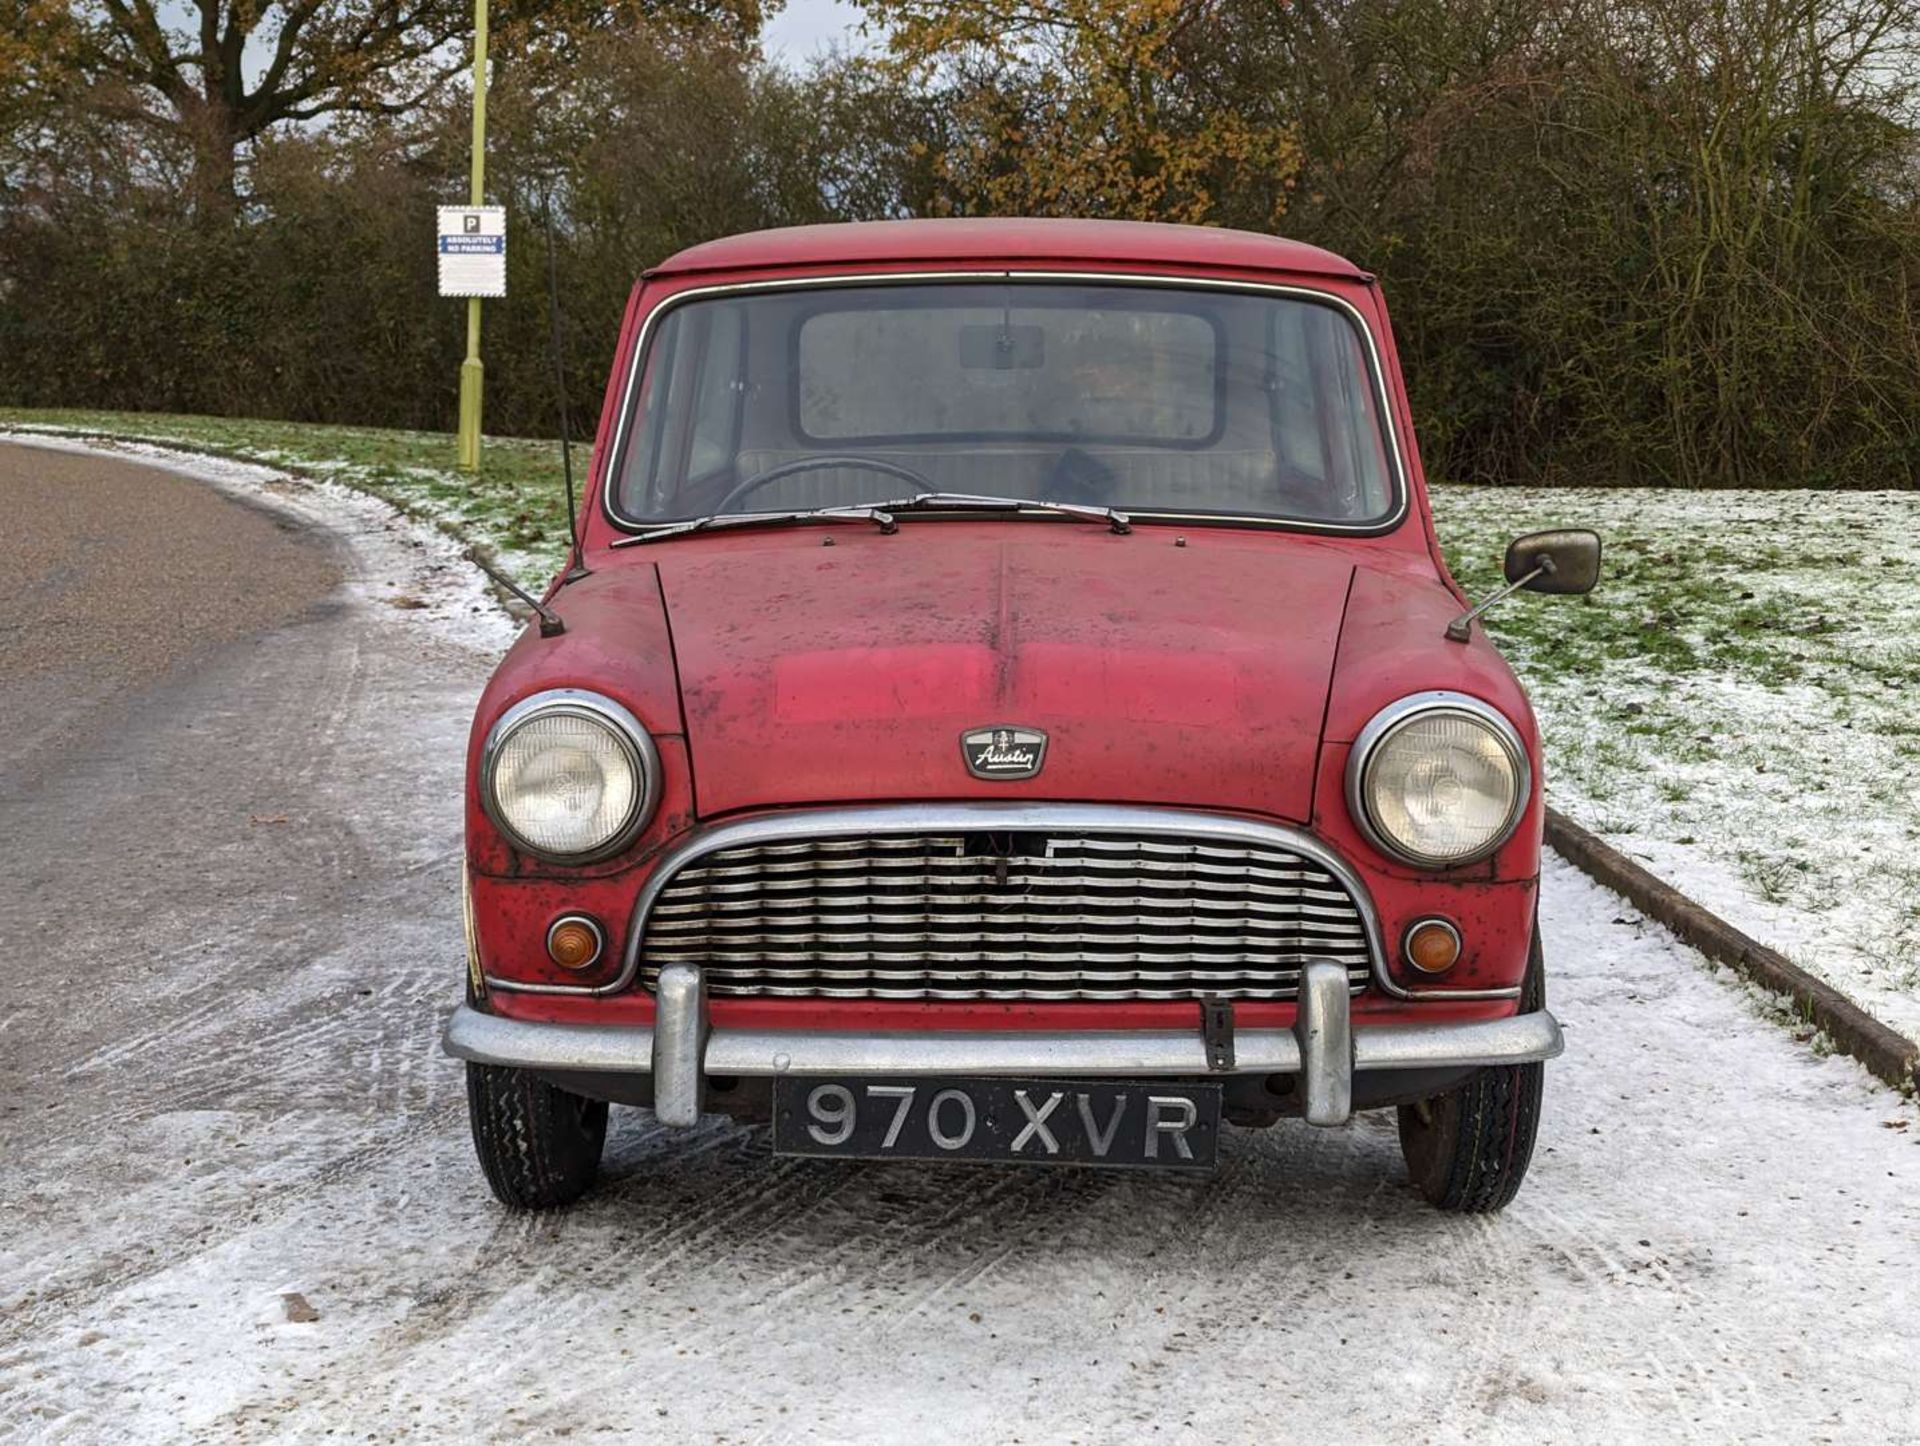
808 26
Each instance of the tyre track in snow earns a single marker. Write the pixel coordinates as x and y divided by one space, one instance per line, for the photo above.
781 1196
203 840
49 1312
1678 1354
1719 1240
782 1192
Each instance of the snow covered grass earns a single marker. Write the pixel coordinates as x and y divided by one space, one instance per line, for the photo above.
1736 705
1732 706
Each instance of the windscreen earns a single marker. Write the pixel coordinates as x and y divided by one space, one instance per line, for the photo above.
1149 399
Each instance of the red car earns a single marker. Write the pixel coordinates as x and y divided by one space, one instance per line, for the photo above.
1007 704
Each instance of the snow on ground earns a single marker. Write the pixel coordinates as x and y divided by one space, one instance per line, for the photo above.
1720 1241
1720 1238
1735 705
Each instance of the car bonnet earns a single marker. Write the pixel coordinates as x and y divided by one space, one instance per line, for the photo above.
1192 674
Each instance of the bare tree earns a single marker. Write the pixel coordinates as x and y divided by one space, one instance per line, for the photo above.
216 75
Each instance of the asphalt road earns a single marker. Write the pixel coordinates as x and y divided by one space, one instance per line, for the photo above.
229 852
118 575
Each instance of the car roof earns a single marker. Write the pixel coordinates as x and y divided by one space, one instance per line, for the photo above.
1021 240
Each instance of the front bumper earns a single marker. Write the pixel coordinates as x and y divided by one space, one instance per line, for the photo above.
680 1051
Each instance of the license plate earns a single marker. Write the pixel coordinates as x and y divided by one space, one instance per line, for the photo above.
1012 1121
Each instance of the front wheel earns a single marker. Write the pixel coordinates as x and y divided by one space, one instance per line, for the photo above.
1468 1149
539 1145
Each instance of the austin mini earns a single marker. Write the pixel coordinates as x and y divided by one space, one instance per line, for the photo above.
1006 704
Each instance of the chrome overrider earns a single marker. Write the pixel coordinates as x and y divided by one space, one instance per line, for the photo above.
1324 1048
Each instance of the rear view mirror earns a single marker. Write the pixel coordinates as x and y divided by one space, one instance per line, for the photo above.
1565 562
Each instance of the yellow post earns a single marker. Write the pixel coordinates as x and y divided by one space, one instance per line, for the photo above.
470 371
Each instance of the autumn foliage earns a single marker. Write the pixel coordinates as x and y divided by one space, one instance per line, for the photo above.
1085 107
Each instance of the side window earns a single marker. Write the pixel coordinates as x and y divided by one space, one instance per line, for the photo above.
1363 464
658 436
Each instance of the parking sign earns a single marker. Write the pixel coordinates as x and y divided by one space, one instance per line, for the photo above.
473 251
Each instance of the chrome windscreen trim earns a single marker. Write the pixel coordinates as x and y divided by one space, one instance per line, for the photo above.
1403 492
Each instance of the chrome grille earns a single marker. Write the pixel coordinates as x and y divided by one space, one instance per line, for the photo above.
1004 915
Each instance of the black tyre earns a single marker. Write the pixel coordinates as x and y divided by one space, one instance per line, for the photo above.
539 1146
1468 1150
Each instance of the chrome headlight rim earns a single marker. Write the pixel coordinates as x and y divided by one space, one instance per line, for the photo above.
634 740
1396 716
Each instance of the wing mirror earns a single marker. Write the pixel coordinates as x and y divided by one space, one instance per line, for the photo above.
1564 562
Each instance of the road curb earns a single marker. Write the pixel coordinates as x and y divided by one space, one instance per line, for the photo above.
115 443
1885 1052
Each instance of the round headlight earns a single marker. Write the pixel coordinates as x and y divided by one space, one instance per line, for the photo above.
570 775
1438 779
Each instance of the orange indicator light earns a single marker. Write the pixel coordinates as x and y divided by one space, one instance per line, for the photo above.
1433 946
574 942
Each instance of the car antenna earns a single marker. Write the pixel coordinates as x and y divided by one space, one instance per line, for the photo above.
551 625
575 567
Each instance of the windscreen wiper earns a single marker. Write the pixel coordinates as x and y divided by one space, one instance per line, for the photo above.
875 514
935 501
